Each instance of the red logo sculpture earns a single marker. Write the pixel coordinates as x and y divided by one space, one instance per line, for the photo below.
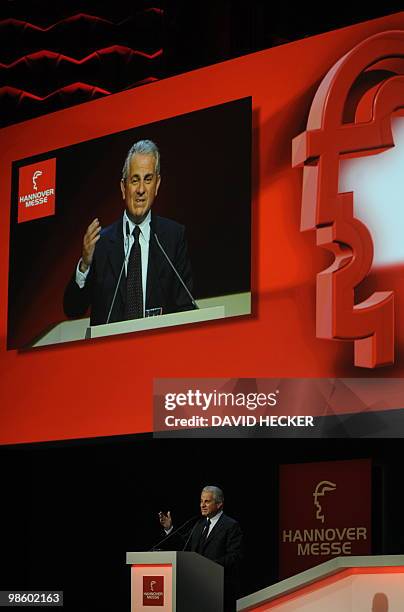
350 116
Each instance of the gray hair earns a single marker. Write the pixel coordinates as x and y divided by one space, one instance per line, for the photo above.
217 493
145 147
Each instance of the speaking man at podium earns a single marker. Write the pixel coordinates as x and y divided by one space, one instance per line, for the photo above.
139 265
215 536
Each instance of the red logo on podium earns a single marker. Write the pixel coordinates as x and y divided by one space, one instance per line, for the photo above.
36 190
153 590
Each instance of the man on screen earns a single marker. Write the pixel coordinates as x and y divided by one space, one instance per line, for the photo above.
215 536
123 272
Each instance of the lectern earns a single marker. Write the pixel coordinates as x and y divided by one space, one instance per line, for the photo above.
209 309
344 584
175 582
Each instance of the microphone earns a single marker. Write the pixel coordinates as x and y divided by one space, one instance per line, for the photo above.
127 234
175 531
194 304
190 535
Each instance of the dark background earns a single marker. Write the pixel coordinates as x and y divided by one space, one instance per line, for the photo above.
71 511
173 36
206 186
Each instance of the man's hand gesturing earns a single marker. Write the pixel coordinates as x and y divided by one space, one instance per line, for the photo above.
89 241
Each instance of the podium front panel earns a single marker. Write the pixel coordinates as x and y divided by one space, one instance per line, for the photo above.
175 581
152 588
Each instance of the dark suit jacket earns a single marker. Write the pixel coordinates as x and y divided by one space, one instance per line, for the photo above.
163 288
224 546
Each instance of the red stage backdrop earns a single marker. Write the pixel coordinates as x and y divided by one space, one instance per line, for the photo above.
325 512
104 387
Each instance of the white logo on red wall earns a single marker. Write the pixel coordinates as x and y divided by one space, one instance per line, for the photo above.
153 590
323 487
36 190
321 514
36 175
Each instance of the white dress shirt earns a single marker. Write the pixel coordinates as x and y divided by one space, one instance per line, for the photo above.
213 521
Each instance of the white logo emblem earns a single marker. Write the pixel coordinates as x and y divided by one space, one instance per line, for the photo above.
152 583
36 174
323 487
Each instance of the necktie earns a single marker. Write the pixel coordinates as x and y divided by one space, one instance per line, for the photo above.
134 291
203 537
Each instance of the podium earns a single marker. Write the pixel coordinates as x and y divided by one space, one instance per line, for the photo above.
344 584
175 582
168 320
210 309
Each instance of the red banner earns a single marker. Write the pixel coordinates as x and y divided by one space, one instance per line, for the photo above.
325 512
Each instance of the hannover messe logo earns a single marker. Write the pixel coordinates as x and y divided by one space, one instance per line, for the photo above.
351 119
153 590
323 487
36 175
321 514
36 190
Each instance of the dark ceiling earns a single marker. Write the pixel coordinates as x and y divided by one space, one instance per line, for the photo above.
57 54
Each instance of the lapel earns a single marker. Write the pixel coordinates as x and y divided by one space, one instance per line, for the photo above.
115 253
155 265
